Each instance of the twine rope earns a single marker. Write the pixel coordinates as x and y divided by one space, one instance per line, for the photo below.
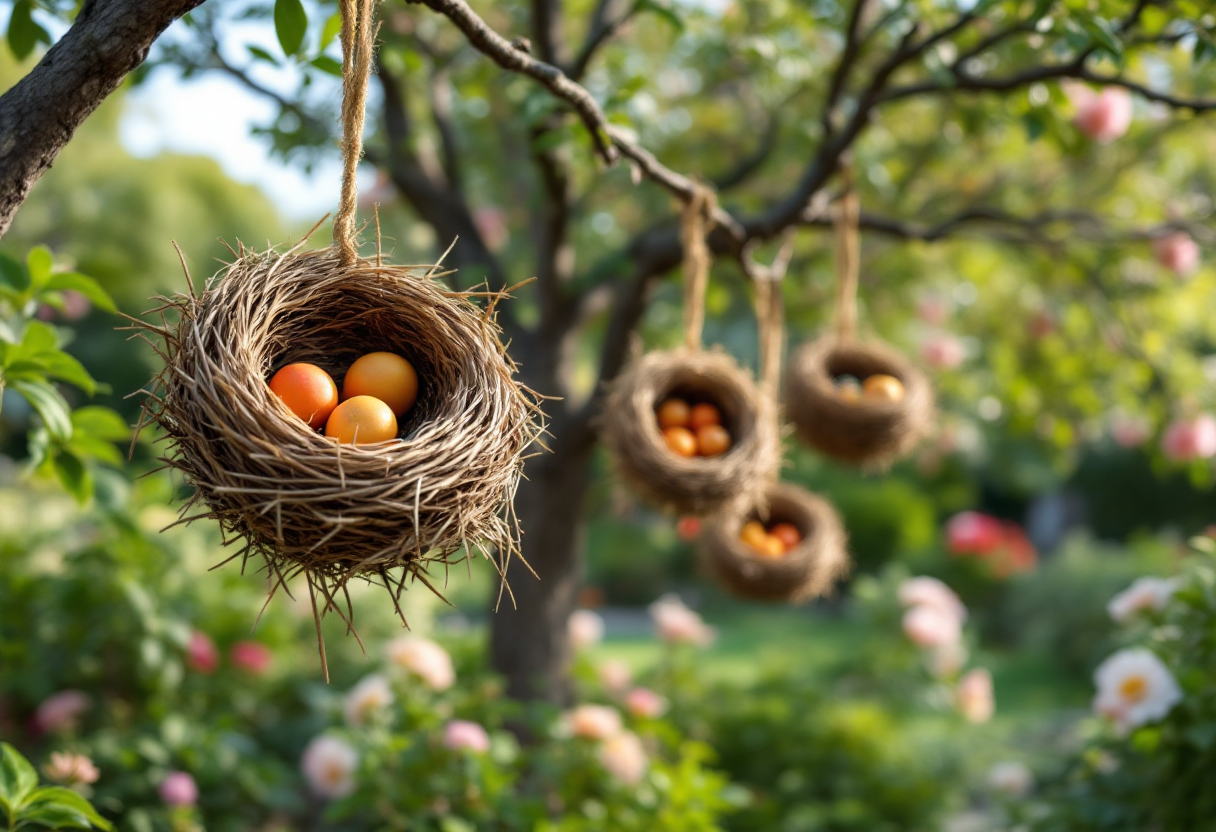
695 223
770 314
848 256
358 43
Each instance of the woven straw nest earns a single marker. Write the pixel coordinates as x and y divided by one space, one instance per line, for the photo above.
690 485
300 500
807 571
866 433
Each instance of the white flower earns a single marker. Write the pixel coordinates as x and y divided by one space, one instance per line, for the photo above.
1144 594
425 659
974 695
1135 688
932 627
329 766
677 624
1010 778
586 629
594 722
366 698
624 757
930 592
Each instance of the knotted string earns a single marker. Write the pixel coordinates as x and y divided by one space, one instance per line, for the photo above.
358 43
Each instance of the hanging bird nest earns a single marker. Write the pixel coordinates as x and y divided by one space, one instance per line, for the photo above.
871 432
806 571
691 485
302 501
864 432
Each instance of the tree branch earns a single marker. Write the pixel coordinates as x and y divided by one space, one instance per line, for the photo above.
548 31
605 22
41 112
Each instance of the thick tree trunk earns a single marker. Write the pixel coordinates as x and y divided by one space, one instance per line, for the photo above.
41 112
528 643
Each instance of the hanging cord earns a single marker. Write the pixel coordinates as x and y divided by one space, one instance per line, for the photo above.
848 255
770 311
358 43
695 223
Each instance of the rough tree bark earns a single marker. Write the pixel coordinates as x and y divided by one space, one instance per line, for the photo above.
41 112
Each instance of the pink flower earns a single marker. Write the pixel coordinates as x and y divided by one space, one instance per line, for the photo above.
586 629
1188 439
933 309
930 592
644 703
942 351
1177 252
1129 431
1144 595
946 661
615 675
201 654
1103 117
462 735
61 711
425 659
329 766
974 695
367 699
69 769
594 722
972 533
932 627
677 624
250 656
624 758
178 789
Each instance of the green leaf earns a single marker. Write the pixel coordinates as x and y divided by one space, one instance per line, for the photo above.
330 31
290 24
40 261
49 404
54 816
664 9
328 64
38 337
102 423
23 32
262 55
68 799
17 777
52 364
72 474
85 285
13 275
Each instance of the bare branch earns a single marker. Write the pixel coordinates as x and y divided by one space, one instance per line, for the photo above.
548 31
509 57
606 21
39 114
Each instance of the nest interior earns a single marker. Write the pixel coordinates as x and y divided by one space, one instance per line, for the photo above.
690 485
807 571
300 500
867 433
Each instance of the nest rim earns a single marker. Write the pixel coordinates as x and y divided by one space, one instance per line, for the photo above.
809 570
869 434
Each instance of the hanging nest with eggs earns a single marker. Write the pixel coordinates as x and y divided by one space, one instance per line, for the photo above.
300 501
865 432
808 570
690 485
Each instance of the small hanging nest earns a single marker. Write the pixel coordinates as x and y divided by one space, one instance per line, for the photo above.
862 432
691 485
807 571
869 432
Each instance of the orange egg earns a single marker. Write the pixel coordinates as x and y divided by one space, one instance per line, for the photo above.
883 388
674 413
753 534
772 547
703 415
384 376
681 441
712 440
308 392
788 534
362 420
